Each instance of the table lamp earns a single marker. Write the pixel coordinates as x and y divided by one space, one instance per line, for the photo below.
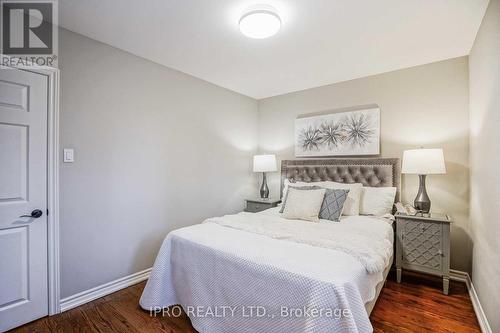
264 163
423 162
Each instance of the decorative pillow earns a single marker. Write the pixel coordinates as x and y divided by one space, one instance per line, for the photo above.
303 205
333 204
352 203
377 200
351 206
288 183
309 187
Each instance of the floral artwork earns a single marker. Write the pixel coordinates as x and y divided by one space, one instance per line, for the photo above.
346 133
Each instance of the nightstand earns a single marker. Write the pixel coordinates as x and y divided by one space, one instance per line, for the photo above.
258 204
423 245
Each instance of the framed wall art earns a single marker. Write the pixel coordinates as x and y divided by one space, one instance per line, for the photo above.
338 134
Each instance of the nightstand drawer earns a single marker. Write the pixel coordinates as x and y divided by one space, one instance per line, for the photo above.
423 244
254 206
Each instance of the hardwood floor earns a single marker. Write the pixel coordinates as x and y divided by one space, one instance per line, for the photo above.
416 305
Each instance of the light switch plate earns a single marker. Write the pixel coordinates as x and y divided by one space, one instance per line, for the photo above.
68 155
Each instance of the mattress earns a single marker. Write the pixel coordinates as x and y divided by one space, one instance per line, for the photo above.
210 267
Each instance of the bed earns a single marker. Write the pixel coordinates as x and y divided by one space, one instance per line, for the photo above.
256 273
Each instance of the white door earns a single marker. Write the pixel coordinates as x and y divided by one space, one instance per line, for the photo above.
23 190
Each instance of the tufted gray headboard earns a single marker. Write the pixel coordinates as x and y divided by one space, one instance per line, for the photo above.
374 172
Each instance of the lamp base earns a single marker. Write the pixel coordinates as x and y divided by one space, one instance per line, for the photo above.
422 201
264 190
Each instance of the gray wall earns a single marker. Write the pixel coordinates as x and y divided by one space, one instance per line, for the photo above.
421 106
484 160
155 150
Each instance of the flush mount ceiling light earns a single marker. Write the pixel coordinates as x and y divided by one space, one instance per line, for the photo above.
259 22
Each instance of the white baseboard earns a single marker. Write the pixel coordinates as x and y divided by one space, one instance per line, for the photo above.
478 309
103 290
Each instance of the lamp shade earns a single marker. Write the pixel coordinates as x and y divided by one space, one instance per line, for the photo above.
423 161
264 163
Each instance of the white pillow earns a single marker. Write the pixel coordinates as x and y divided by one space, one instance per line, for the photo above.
303 205
288 183
377 200
352 203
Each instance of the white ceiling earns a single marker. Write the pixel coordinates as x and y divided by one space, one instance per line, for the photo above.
321 41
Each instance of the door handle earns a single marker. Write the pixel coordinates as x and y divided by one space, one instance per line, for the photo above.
35 214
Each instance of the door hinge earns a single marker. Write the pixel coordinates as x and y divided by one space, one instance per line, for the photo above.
47 212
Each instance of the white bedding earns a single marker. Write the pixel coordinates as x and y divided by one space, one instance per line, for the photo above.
211 266
367 242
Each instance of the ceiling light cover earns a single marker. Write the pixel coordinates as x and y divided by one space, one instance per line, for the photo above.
260 22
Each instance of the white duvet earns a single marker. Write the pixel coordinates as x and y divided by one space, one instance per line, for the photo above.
366 241
246 262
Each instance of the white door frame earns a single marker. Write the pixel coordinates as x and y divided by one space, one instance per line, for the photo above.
53 76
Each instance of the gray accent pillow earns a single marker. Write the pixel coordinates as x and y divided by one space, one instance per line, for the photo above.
333 203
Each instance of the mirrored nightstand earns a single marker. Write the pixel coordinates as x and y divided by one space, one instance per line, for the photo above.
423 245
